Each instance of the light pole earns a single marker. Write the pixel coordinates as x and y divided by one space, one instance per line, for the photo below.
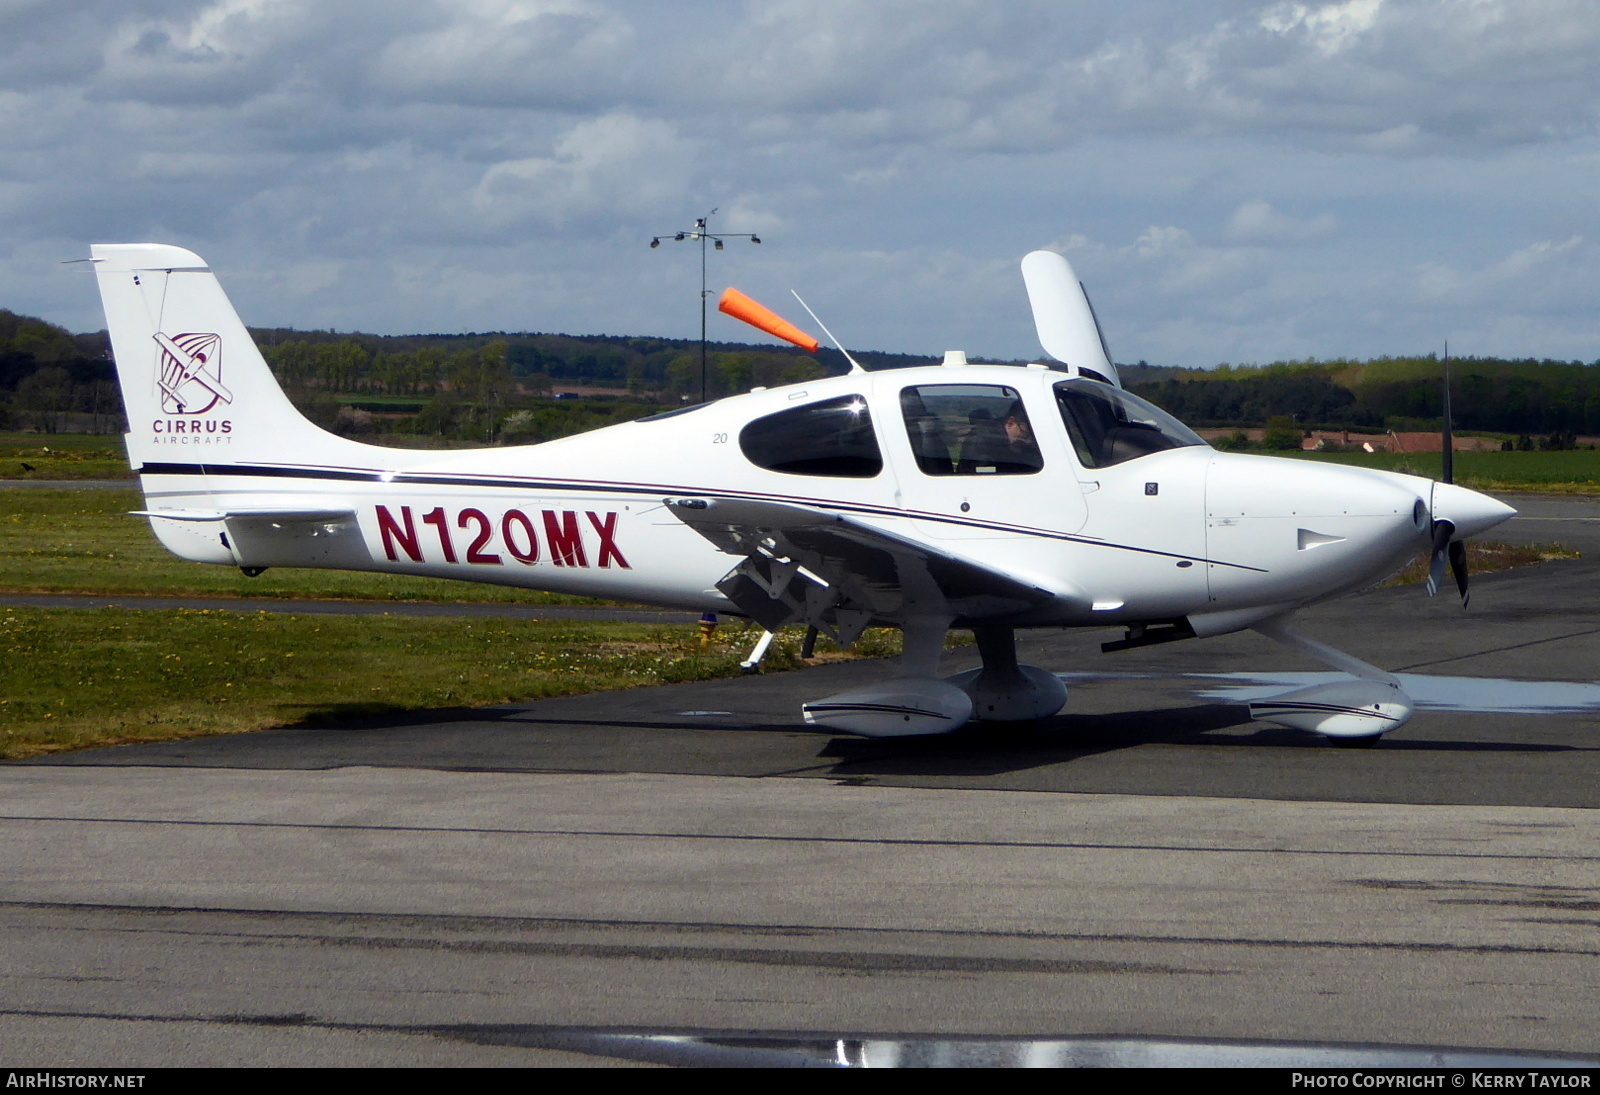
698 232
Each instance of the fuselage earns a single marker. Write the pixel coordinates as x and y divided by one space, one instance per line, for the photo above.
983 462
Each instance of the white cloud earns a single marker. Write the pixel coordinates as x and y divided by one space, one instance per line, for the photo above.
616 164
1541 272
1162 239
1324 160
1330 28
1257 222
1073 241
509 53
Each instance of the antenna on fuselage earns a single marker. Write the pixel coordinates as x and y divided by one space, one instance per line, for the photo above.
855 366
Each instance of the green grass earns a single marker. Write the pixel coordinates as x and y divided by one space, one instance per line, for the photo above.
73 678
1486 557
62 456
83 541
1575 471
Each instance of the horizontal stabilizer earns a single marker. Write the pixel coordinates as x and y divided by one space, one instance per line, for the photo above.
284 515
263 537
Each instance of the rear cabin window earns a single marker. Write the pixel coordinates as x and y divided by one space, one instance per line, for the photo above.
833 437
969 429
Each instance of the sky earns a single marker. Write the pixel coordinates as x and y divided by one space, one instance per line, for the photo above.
1233 181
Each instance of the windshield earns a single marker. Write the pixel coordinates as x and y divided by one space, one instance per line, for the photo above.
1108 426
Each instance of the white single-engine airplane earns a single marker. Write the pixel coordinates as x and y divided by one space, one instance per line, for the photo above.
951 495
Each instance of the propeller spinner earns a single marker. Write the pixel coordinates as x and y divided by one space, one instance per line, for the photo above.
1459 513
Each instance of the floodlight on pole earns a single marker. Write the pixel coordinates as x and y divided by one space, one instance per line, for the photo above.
698 232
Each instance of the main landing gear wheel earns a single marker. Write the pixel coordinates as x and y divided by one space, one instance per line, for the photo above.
1002 690
918 703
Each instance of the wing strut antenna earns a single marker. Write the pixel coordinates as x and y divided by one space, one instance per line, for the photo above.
855 366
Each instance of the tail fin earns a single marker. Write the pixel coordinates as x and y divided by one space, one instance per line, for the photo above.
1068 329
195 386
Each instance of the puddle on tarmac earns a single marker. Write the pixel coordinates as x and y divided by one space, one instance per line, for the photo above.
1486 695
802 1051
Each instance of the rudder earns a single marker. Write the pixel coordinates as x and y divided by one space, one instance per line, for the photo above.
194 384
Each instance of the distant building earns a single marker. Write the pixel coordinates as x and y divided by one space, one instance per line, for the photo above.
1345 439
1353 440
1434 442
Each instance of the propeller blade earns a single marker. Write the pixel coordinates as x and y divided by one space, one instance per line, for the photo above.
1442 531
1458 565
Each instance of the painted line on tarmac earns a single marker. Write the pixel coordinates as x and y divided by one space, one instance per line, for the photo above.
459 921
618 614
782 838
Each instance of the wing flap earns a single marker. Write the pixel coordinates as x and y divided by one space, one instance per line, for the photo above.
839 573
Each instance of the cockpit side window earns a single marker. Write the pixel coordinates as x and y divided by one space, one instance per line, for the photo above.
969 429
1108 426
833 437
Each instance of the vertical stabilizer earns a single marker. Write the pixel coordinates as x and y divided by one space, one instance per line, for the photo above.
1068 329
195 386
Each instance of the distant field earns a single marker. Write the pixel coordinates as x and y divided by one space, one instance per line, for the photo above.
62 456
398 404
83 541
74 678
1574 471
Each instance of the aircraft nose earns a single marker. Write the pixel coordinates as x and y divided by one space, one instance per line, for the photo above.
1469 511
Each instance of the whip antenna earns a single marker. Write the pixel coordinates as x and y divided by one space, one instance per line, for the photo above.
855 366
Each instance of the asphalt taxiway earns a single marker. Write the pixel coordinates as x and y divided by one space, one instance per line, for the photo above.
462 886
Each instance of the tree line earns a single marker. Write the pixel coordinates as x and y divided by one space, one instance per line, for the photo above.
1489 394
644 367
54 381
497 387
487 391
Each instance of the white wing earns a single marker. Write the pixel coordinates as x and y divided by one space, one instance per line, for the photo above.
1068 329
806 565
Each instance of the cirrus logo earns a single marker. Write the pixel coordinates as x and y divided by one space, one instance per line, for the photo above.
189 373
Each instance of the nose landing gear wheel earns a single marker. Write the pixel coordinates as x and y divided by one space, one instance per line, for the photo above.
1355 743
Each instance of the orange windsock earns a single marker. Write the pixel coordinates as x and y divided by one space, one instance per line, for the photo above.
739 306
